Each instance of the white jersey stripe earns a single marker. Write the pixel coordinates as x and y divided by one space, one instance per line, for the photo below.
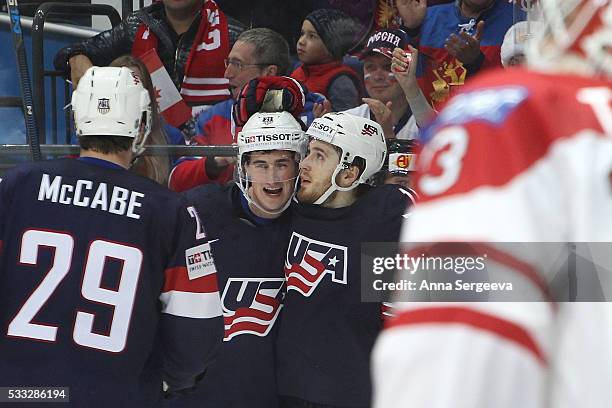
193 92
188 304
205 81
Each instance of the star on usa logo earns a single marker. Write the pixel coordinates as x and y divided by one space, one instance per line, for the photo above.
309 262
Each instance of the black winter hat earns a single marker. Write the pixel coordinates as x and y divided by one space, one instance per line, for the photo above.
336 29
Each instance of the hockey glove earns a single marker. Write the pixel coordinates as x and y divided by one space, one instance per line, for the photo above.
269 94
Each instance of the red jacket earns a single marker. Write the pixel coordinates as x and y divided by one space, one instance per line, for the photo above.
317 78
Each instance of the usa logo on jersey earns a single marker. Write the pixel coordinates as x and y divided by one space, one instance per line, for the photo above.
251 305
308 261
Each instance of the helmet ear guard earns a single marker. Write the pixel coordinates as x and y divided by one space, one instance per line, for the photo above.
111 101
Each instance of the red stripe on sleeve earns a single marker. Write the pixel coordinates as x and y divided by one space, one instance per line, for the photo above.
177 278
460 315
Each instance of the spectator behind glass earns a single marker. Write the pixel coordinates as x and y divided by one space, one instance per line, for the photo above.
395 100
171 27
455 40
326 36
258 52
156 168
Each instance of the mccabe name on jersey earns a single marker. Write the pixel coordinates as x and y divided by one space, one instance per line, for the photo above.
95 195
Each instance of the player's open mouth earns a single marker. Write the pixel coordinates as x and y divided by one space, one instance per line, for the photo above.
273 191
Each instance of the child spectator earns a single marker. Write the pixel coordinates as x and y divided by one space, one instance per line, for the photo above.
326 36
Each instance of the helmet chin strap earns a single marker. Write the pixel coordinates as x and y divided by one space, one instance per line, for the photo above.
335 187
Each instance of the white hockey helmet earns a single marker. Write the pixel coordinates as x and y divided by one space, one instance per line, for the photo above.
111 101
576 35
266 132
355 136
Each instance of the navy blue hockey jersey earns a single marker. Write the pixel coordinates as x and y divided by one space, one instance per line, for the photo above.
326 333
106 284
249 254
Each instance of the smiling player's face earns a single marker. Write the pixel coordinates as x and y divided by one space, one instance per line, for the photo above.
272 175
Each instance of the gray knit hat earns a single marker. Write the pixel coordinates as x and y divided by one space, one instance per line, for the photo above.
336 29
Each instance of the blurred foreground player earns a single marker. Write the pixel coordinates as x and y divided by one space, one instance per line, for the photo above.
519 156
106 281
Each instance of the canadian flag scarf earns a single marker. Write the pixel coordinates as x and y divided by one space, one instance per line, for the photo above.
203 80
172 107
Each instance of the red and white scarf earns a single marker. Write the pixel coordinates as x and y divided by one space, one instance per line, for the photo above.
203 80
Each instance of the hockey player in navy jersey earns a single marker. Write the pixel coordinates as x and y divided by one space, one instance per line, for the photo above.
326 332
249 230
107 285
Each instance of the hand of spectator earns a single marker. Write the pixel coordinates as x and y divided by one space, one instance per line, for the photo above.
215 166
78 65
412 12
383 115
320 109
464 47
224 161
403 66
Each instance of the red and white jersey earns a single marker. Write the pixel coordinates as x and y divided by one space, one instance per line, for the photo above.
519 156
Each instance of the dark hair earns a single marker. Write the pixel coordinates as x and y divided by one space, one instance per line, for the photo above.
105 144
360 163
270 47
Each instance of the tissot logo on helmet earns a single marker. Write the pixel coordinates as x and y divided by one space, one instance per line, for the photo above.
320 126
268 138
